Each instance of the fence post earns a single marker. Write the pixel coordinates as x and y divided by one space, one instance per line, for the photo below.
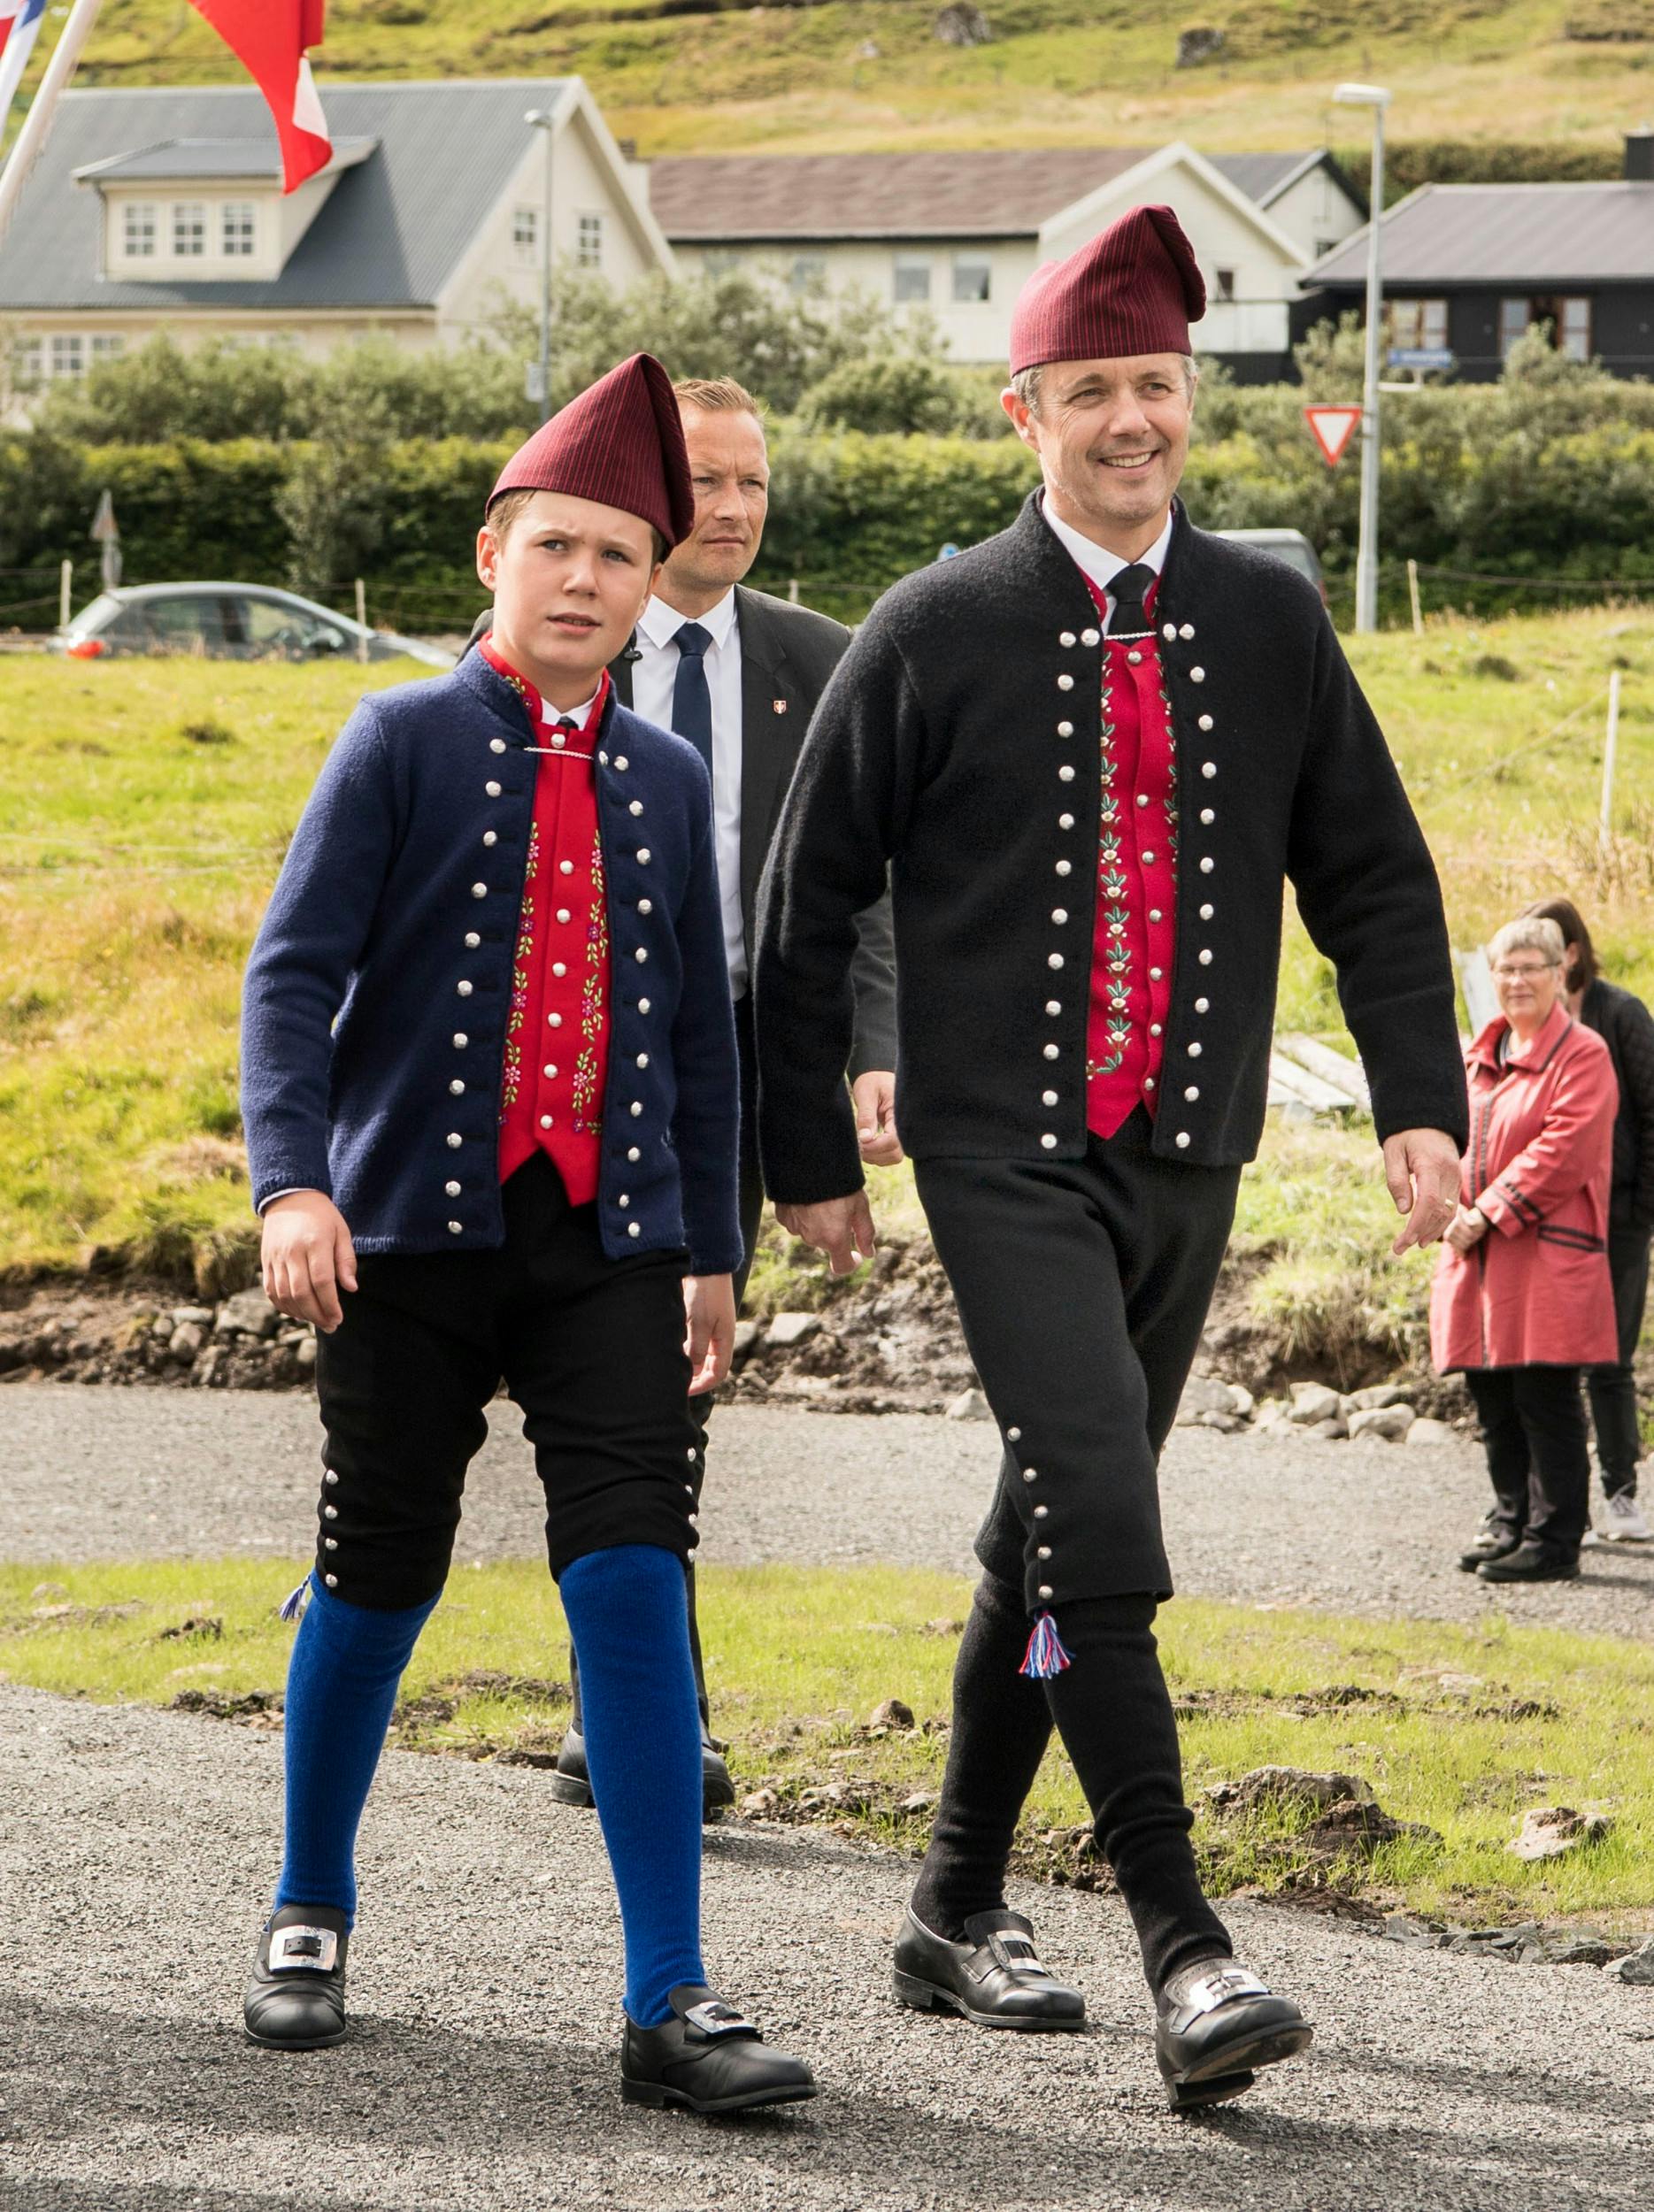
1413 588
792 589
1605 834
361 616
66 581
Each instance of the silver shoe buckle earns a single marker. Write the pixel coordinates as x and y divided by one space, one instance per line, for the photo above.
1222 1987
714 2018
298 1949
1023 1960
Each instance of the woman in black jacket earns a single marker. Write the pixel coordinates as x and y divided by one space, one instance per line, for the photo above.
1626 1027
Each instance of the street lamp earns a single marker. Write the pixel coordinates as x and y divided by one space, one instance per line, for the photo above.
1373 96
545 120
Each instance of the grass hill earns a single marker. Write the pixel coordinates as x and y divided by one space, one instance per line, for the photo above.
704 75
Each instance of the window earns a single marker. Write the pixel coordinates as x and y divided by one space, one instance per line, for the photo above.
1573 329
972 277
238 232
189 230
68 354
1417 325
137 230
1323 247
809 270
28 362
1513 322
1223 284
108 347
526 233
720 260
912 280
588 244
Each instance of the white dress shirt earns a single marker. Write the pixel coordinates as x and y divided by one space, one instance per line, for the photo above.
654 676
1095 561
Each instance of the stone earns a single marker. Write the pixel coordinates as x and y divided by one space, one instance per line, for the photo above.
1390 1422
959 23
1312 1403
1290 1786
1225 1423
1272 1414
304 1352
1376 1395
190 1317
1197 45
1426 1430
248 1313
1241 1401
1332 1431
757 1803
204 1373
788 1329
186 1339
1549 1831
891 1714
1636 1968
1582 1951
970 1405
746 1334
920 1802
1201 1394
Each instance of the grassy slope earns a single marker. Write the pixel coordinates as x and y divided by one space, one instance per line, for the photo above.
135 860
796 1691
800 77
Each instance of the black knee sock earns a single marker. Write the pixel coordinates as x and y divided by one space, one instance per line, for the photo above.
1001 1727
1114 1714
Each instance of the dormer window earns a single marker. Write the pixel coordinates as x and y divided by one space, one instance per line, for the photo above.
137 230
238 233
190 229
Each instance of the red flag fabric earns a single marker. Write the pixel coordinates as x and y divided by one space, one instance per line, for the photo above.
271 38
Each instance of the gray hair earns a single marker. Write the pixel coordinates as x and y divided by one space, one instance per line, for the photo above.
1026 383
1530 933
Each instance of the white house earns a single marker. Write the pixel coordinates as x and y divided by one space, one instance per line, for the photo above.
957 233
162 210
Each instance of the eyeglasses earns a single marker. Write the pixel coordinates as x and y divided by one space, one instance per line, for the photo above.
1523 970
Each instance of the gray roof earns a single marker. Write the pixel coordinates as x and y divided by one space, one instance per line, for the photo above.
1508 233
212 157
393 229
1261 176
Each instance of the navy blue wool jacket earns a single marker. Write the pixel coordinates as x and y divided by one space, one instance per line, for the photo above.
373 1017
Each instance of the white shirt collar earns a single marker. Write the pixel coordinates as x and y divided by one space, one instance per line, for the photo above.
551 716
661 623
1095 561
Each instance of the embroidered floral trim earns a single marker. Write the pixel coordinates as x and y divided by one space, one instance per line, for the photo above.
587 1104
511 1084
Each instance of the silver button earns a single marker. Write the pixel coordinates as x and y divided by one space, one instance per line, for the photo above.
1142 798
1065 867
1052 1051
1207 816
454 1140
639 956
1209 769
1041 1512
637 1107
1065 683
646 906
1202 1005
1168 631
472 941
1206 959
565 867
1089 637
332 1512
1066 774
642 1006
1044 1551
465 989
496 745
563 914
332 1581
636 807
1148 1082
1154 974
1192 1093
1065 821
1013 1436
1053 1006
1048 1143
549 1071
454 1229
1066 637
642 1059
1053 960
329 1477
1207 865
1205 722
1206 913
1134 658
643 856
1197 675
545 1121
633 1229
1030 1474
458 1087
1147 859
1047 1098
1182 1139
492 789
604 759
479 890
1065 729
1195 1051
620 762
460 1041
1154 914
1045 1589
1059 915
1188 630
1154 1029
554 1021
623 1200
330 1543
559 967
633 1153
490 837
453 1190
558 740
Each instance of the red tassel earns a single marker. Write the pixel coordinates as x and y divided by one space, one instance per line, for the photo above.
1045 1656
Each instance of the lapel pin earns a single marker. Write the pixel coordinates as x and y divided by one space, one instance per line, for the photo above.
780 705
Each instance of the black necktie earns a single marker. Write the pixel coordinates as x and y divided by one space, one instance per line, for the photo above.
1128 589
691 700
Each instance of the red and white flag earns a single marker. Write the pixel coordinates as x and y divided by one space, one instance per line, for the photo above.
271 37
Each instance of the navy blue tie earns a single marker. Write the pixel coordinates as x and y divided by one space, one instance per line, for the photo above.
691 700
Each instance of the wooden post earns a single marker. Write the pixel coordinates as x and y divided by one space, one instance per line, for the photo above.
361 616
1611 743
65 582
792 589
1413 588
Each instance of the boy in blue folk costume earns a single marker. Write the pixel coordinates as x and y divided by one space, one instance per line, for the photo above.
489 1085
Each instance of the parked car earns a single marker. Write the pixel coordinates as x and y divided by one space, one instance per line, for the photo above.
236 622
1290 546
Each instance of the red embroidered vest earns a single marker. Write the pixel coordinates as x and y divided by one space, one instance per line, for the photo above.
1137 911
556 1031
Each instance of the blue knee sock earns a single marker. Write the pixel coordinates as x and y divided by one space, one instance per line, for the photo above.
628 1615
340 1688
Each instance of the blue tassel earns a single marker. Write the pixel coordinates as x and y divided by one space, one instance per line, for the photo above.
1045 1656
294 1602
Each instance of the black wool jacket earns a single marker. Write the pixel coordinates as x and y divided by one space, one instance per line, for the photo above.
1625 1026
959 742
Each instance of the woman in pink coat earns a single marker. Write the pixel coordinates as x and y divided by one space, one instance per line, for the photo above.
1523 1297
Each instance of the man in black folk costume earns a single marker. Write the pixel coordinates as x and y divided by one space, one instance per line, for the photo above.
1092 750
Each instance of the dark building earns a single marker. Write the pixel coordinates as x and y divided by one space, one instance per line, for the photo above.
1467 268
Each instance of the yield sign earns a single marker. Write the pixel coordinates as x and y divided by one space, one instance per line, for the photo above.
1331 428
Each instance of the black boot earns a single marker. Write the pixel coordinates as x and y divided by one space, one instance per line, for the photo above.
1215 2024
994 1978
296 1999
708 2058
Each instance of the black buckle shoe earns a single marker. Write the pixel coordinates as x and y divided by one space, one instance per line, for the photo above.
1490 1543
1529 1562
994 1978
570 1778
1216 2023
710 2058
296 1999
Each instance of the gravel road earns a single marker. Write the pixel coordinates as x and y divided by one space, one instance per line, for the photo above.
136 1848
1373 1528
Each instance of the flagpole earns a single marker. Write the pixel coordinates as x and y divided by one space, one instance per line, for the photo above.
37 123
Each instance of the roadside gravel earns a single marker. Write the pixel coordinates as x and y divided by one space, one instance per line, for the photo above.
136 1848
1366 1528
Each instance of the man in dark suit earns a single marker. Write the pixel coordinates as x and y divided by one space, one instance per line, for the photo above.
738 673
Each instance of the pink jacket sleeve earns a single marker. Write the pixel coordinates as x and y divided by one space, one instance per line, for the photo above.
1575 1144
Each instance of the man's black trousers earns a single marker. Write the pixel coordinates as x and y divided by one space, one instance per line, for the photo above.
590 1349
1613 1390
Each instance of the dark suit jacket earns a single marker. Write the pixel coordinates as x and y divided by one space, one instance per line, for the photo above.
786 655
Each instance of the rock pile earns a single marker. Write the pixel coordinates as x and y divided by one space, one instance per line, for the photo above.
241 1342
1383 1412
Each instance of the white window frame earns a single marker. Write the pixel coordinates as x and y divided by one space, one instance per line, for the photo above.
29 364
67 353
589 240
1510 329
238 229
189 230
1417 325
911 275
107 345
139 230
526 233
1575 345
808 269
963 264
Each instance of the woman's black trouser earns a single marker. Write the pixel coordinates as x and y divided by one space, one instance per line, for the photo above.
1533 1425
1613 1390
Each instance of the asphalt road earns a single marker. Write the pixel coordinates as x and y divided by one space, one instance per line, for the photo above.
136 1848
1372 1528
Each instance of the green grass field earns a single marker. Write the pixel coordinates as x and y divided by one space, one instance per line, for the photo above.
144 807
1459 1729
847 74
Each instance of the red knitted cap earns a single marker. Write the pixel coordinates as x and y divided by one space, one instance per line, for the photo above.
1134 289
621 443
